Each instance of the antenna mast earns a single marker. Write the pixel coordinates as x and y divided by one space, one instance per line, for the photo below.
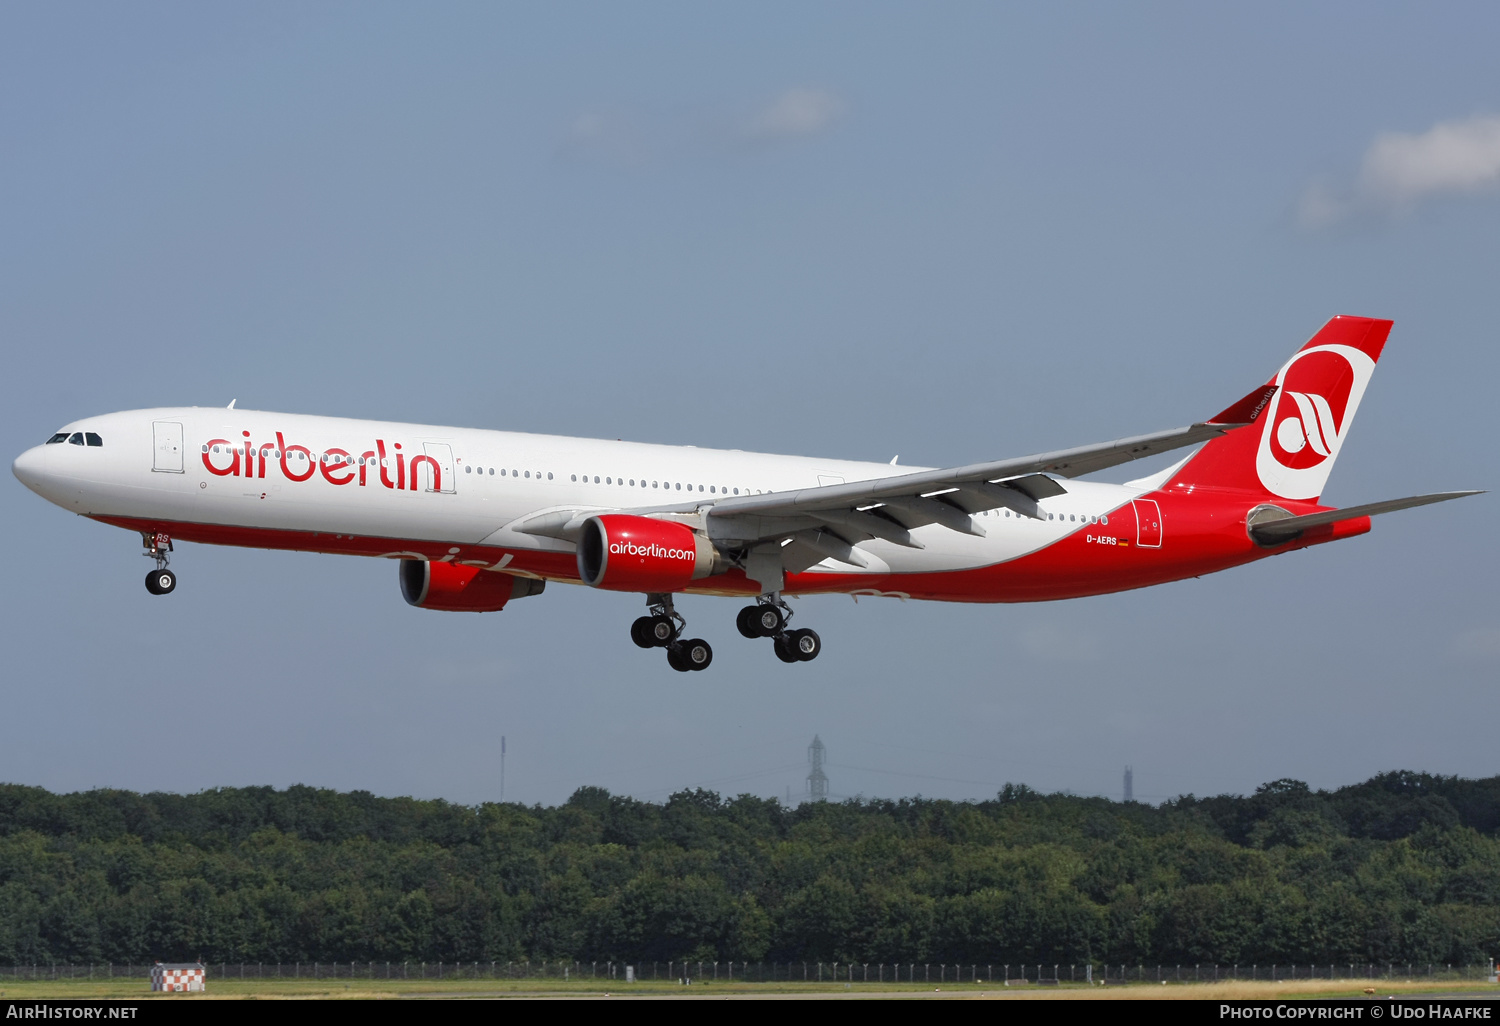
817 780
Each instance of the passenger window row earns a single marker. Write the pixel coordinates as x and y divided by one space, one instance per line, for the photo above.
1086 518
611 480
679 486
669 485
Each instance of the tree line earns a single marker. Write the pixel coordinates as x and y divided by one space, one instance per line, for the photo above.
1404 867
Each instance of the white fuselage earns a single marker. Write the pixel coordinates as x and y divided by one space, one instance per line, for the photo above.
488 483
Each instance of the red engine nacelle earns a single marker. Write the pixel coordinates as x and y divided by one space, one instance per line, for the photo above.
620 552
462 589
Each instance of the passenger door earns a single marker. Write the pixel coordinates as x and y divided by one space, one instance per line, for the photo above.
1147 524
443 454
167 452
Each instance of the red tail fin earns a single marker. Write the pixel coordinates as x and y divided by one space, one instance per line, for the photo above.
1289 449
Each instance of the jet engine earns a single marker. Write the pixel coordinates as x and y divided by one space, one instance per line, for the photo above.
620 552
455 588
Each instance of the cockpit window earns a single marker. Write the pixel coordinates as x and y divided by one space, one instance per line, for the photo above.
92 438
61 436
76 438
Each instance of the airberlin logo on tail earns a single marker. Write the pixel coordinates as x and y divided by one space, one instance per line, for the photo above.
1314 427
655 551
242 458
1319 391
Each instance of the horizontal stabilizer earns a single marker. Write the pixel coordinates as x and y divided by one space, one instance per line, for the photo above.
1273 531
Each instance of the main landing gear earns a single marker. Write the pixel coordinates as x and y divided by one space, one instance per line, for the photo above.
160 581
663 628
768 619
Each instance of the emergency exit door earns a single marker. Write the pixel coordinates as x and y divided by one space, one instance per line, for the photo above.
1147 524
167 449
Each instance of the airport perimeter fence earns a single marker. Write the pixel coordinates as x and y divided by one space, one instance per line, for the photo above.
768 972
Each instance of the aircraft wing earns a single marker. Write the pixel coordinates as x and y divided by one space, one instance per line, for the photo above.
1025 474
829 521
792 530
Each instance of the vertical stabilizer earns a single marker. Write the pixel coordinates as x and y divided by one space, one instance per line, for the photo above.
1289 450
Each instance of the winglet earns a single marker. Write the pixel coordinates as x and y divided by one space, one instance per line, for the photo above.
1247 409
231 404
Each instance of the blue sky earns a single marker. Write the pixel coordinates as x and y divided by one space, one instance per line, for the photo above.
953 232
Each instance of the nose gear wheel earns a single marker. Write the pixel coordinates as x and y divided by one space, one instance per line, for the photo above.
161 582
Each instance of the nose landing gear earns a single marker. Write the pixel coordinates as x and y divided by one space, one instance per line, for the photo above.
768 619
160 581
663 628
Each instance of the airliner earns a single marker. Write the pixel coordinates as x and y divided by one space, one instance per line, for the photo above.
476 518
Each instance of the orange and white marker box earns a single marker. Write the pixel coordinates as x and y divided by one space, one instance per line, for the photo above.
183 976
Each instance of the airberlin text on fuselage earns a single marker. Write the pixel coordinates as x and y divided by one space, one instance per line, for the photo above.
224 458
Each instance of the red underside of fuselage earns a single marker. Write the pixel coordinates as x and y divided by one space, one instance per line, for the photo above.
1200 534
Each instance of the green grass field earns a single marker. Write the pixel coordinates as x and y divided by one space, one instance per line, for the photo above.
81 990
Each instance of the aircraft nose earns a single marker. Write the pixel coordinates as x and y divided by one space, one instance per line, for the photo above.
30 467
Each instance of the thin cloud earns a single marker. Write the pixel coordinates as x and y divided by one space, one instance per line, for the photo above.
1058 643
795 114
1400 170
621 138
606 137
1482 644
